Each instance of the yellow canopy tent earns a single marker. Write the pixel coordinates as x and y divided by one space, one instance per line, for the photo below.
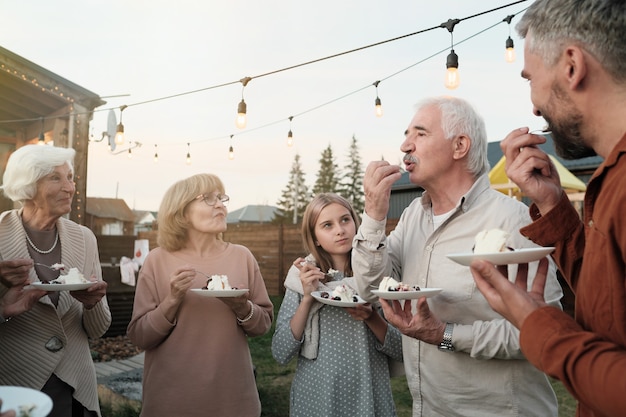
573 186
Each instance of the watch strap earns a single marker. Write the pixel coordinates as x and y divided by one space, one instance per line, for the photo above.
446 343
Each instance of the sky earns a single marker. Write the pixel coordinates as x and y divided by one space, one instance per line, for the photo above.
177 66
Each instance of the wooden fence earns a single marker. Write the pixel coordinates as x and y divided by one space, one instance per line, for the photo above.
274 246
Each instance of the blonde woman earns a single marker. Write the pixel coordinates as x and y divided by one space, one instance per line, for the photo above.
197 359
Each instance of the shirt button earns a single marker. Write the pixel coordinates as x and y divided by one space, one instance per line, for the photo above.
590 224
429 248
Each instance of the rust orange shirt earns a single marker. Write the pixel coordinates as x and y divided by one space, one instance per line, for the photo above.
587 354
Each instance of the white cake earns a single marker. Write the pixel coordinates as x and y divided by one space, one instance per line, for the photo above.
218 282
73 277
390 284
343 293
491 241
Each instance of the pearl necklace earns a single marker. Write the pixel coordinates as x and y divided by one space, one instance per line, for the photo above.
44 252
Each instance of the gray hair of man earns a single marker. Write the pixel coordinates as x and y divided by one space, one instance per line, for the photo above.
597 26
29 164
458 117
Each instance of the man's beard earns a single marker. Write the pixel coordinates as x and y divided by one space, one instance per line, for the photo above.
568 141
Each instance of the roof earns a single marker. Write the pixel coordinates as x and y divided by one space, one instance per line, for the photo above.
144 216
252 214
500 181
30 92
109 208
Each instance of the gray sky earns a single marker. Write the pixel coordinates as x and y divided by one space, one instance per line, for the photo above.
156 49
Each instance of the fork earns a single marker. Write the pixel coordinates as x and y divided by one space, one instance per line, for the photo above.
202 273
53 267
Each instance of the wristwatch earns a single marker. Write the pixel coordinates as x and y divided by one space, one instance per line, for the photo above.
446 343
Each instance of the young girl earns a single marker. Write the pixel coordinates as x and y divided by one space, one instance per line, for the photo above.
343 353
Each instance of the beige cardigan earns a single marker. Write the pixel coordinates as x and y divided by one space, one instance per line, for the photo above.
24 359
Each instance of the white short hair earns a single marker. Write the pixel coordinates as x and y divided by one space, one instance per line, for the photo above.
29 164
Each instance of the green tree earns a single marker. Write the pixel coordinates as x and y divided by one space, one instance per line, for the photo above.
328 174
295 196
352 182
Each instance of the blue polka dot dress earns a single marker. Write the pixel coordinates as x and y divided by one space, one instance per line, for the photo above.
349 377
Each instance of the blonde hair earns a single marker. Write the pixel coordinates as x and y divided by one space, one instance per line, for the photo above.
309 219
172 220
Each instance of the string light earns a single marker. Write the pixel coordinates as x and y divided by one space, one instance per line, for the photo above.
119 134
377 103
509 54
242 108
156 154
188 160
290 134
452 61
231 151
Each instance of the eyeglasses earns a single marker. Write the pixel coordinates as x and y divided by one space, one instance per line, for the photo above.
212 199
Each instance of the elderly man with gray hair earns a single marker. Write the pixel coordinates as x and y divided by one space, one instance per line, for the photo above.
461 358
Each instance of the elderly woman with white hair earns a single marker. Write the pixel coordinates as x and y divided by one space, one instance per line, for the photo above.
44 334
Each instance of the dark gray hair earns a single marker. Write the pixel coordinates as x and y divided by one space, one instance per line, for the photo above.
597 26
29 164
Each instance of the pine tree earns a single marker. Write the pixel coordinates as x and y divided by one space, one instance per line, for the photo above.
328 174
295 196
352 182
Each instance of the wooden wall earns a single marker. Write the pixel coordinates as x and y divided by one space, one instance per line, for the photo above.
275 247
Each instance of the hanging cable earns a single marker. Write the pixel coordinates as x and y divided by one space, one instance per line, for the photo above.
378 107
452 61
290 134
42 138
242 108
119 133
231 151
509 54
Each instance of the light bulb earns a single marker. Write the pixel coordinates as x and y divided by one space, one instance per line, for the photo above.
241 115
130 154
119 134
452 72
379 107
289 139
188 160
509 55
156 157
231 153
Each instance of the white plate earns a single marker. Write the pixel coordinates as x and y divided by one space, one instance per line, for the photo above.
219 293
62 287
406 295
518 256
13 397
337 303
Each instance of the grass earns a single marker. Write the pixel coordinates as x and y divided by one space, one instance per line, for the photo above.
274 382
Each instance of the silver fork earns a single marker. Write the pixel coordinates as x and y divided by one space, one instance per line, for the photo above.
202 273
54 267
